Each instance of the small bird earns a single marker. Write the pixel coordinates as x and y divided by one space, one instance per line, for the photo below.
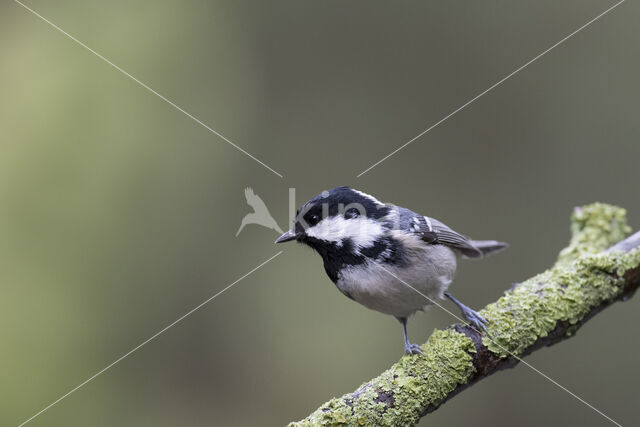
385 256
260 214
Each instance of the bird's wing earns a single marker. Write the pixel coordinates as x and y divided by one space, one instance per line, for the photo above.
249 194
434 232
254 201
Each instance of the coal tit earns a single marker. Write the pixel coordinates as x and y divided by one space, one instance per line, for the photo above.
383 256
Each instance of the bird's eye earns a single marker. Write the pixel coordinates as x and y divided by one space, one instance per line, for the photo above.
313 219
352 213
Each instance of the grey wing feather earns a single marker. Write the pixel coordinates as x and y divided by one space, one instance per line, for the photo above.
447 236
435 232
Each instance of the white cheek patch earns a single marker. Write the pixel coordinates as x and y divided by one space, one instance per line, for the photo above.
362 231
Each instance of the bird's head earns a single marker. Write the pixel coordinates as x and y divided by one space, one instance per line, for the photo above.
341 217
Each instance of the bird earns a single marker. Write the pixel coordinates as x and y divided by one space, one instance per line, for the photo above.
386 257
260 214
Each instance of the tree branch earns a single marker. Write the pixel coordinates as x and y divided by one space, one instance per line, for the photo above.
597 269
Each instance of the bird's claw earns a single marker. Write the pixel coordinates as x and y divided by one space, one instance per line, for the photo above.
475 320
413 349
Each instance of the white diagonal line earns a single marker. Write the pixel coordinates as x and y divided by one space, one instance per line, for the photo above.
493 86
143 343
510 353
168 101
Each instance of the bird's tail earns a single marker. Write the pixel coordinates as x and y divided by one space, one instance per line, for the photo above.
489 246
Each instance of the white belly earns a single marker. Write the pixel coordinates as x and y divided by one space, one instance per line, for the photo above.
402 291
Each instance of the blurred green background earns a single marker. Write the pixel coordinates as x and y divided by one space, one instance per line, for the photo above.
118 213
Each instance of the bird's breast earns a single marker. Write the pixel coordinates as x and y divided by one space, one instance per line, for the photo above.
400 289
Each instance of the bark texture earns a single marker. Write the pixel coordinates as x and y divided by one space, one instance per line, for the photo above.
598 268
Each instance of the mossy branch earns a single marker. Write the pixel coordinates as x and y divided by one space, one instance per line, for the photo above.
597 269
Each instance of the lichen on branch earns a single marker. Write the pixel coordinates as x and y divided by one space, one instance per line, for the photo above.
541 311
397 396
583 278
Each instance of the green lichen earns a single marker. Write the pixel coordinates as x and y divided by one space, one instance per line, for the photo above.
583 278
533 309
399 395
594 228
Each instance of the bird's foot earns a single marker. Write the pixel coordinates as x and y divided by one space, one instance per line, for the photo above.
413 349
475 320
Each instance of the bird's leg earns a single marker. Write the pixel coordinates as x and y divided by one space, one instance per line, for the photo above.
409 348
470 315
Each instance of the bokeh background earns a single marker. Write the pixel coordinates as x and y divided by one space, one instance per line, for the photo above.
118 213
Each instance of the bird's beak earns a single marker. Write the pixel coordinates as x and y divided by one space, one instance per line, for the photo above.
288 236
